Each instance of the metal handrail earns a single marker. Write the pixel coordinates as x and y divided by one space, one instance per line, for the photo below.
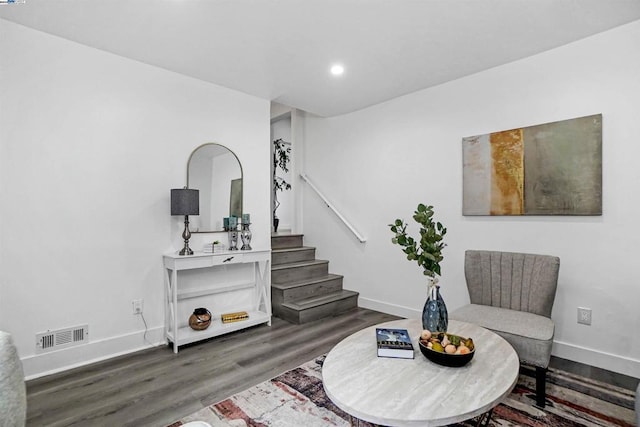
359 236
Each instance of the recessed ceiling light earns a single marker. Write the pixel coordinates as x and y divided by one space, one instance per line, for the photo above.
337 69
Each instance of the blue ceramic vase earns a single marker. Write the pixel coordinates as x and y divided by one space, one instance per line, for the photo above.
434 313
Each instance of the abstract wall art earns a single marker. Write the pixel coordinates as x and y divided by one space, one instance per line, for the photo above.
549 169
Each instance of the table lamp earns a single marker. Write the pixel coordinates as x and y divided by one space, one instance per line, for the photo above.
185 201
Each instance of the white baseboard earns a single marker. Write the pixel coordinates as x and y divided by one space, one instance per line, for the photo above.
43 364
597 358
575 353
384 307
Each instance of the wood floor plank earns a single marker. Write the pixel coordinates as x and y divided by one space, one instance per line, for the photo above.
155 387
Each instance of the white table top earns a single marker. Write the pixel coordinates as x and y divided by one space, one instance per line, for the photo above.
418 392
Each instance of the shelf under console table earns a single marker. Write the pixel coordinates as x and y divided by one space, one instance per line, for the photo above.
239 271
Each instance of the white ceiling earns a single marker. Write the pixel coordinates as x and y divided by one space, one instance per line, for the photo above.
281 50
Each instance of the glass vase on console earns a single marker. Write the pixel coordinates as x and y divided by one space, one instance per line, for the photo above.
434 314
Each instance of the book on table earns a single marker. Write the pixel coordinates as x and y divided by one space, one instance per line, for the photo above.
394 343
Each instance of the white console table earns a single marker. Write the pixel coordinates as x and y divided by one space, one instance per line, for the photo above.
260 285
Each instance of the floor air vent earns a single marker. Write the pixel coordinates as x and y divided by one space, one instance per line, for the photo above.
62 338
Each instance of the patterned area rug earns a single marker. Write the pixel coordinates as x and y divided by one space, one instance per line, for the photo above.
297 398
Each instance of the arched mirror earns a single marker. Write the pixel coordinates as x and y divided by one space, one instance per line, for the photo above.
217 173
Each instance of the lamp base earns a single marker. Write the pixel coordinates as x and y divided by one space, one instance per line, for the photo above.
186 251
186 235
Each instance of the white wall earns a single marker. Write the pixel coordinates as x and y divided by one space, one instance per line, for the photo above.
90 145
377 164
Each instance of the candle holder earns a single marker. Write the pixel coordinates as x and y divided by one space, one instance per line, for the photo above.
233 239
245 235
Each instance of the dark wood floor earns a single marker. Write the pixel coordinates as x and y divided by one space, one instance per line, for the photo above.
155 387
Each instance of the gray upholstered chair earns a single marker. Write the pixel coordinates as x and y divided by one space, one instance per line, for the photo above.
512 294
13 400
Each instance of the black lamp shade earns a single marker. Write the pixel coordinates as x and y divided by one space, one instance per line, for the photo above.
185 201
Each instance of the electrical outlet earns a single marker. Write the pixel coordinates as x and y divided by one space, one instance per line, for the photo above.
137 306
584 316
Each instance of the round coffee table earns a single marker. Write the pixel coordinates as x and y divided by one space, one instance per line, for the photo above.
412 392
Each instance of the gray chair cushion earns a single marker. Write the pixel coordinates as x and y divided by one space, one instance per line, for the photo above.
530 335
13 400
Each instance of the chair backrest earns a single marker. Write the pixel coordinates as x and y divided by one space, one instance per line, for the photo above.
523 282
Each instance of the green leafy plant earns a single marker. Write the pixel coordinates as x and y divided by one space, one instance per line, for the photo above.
427 250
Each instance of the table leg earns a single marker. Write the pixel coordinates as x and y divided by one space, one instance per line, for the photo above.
355 422
483 420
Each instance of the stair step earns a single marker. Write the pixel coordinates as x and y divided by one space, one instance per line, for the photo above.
290 255
287 292
316 301
317 307
298 271
286 241
302 289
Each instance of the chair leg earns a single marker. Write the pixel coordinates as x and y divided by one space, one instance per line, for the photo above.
541 383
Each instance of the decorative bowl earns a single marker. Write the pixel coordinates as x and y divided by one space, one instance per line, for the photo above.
446 359
200 319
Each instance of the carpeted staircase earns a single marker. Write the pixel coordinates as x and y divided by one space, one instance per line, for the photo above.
302 289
